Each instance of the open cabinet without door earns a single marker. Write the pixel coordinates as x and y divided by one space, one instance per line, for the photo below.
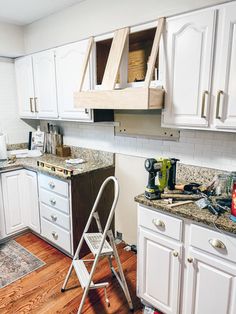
108 97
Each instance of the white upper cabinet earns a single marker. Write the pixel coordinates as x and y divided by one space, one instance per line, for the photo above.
188 44
69 62
45 84
25 86
225 68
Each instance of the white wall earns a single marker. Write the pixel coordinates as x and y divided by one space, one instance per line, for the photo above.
92 17
10 123
11 40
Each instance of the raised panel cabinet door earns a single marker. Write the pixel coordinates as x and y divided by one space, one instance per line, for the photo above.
211 284
225 91
159 271
45 84
25 86
69 62
14 211
31 200
189 45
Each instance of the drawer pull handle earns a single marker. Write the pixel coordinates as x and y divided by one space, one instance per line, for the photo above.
55 235
175 254
54 217
53 202
51 185
217 244
190 260
158 223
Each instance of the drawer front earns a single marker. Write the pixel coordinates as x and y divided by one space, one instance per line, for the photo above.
56 235
213 242
54 200
53 184
161 223
54 216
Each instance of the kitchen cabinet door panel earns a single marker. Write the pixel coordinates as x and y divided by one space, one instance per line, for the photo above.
25 86
45 84
189 46
210 285
225 109
14 211
69 62
159 271
31 200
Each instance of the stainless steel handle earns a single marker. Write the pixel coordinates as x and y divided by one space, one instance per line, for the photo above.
54 217
31 104
220 92
216 243
175 254
35 104
53 202
55 235
51 185
204 95
158 223
190 260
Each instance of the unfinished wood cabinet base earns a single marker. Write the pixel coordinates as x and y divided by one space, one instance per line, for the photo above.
127 98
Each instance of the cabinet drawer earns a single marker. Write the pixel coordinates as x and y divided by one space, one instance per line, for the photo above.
54 200
161 223
213 242
53 184
54 216
56 235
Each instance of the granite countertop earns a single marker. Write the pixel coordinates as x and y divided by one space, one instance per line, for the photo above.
30 163
191 212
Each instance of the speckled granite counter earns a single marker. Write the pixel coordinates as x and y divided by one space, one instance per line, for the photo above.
191 212
93 160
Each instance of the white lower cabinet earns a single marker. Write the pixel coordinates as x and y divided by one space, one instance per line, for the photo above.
211 284
195 275
159 271
20 201
13 201
31 200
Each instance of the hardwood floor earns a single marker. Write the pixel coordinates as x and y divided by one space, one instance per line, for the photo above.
40 291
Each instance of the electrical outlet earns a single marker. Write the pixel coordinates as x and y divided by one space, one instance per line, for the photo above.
119 235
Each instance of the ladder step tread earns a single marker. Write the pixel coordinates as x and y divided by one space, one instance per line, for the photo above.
93 241
82 273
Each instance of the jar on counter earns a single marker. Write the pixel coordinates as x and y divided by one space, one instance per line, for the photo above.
223 186
233 206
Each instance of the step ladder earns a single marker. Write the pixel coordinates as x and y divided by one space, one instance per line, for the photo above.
101 244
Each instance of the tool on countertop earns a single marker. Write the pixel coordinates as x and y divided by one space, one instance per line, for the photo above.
166 169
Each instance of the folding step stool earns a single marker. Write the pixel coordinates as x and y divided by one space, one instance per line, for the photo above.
99 246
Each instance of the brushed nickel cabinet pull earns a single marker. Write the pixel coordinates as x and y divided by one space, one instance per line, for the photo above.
53 202
55 235
54 217
31 105
51 185
205 93
190 260
220 92
175 254
158 223
216 243
35 104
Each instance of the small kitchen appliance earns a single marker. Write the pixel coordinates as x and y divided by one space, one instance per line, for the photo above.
3 147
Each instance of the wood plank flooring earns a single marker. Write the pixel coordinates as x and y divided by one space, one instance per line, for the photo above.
40 291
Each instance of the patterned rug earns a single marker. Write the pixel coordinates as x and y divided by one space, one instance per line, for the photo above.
16 262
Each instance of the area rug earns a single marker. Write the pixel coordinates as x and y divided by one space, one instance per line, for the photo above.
16 262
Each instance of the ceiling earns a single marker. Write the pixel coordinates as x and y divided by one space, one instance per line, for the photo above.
22 12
